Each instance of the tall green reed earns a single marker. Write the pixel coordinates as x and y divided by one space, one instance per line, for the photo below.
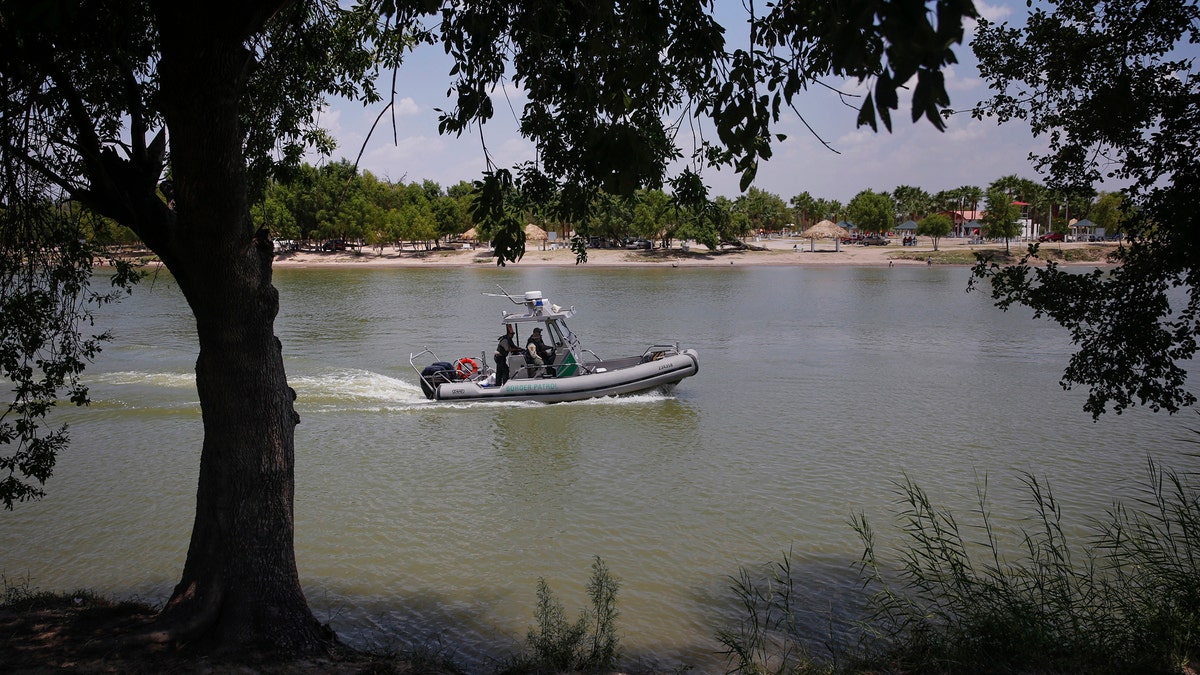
959 596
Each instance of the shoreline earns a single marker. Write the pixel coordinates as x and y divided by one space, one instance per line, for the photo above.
777 252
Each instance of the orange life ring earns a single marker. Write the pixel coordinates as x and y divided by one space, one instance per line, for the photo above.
466 367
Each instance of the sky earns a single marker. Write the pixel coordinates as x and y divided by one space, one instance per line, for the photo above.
968 152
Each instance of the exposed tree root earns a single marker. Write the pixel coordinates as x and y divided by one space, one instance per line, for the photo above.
185 618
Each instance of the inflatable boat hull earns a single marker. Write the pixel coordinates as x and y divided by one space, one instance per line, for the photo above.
599 381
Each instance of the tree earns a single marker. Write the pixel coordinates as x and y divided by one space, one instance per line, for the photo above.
971 196
935 227
273 214
872 211
1108 213
100 97
912 202
45 295
699 221
605 83
804 205
1000 219
763 210
211 88
1125 59
653 215
733 223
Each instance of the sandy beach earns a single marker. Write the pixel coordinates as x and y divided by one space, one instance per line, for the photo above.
790 251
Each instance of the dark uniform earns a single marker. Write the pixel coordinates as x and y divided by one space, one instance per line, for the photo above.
504 347
535 347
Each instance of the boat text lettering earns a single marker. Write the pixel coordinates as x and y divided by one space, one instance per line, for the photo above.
541 386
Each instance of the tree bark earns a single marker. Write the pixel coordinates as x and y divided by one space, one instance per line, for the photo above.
240 587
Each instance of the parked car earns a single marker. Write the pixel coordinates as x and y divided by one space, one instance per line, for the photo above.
874 240
1051 236
639 244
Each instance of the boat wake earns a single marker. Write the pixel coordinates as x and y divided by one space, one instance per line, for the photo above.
367 391
353 390
126 378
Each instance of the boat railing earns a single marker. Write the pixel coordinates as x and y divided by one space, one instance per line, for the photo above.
479 373
654 352
412 358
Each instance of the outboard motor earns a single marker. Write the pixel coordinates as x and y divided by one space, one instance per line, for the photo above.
436 373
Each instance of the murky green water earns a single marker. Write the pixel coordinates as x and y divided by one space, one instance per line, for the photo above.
818 388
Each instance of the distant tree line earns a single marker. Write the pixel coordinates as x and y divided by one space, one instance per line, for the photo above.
337 202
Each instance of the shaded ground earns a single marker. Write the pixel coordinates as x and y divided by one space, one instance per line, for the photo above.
82 634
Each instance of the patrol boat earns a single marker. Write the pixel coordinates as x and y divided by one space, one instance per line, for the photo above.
571 374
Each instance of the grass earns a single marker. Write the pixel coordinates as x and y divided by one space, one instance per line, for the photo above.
953 599
1097 253
769 640
947 256
17 594
589 644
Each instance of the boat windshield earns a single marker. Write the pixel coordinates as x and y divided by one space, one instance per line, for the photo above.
555 334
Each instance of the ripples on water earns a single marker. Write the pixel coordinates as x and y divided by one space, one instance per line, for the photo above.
818 390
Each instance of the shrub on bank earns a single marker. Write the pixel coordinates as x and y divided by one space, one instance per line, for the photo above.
952 600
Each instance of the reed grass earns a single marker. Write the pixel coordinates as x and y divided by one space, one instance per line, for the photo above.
770 639
954 597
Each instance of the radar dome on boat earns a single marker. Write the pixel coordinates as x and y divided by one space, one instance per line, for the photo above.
534 300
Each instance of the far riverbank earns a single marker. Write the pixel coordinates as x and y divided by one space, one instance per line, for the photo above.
789 251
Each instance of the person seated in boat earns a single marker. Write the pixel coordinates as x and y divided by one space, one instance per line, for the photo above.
538 352
507 345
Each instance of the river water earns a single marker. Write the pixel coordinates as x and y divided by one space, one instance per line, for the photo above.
819 388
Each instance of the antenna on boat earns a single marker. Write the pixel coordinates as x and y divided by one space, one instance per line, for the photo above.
505 294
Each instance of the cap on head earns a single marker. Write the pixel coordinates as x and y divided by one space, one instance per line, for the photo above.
537 330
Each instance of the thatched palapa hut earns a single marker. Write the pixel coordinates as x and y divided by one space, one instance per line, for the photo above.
826 229
535 233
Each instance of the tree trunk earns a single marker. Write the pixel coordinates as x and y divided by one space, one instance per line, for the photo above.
240 587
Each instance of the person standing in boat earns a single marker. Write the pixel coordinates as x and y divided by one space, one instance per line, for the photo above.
506 346
539 352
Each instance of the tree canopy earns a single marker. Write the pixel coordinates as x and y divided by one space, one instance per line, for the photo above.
1110 86
872 211
610 85
935 227
1000 219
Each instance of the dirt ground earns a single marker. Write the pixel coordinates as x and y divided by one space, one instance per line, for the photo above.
84 635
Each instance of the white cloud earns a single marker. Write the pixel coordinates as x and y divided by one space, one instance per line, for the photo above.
406 107
995 12
329 117
407 157
507 91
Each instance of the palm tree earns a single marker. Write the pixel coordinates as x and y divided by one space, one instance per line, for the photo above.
804 205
